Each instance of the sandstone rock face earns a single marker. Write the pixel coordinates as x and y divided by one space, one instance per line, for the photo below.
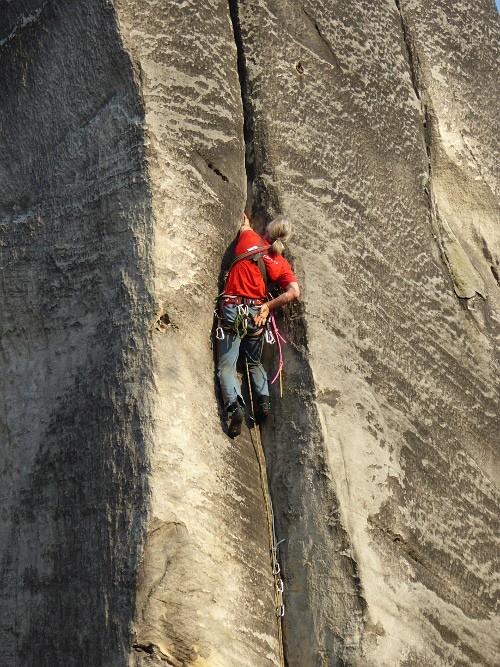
379 479
133 530
77 378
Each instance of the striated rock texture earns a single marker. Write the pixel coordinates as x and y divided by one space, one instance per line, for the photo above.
387 482
133 531
77 300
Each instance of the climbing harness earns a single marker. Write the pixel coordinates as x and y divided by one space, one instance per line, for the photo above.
240 324
273 542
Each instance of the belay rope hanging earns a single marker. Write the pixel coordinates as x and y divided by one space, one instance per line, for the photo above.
273 542
275 336
272 335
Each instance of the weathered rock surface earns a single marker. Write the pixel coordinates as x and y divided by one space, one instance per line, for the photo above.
386 483
133 531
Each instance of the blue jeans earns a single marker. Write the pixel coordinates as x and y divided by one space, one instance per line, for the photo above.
228 353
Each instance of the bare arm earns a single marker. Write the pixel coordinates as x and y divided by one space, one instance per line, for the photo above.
292 292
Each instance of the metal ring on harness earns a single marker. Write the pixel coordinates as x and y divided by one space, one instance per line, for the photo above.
243 309
269 337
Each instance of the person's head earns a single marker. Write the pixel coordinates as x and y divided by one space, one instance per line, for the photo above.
277 231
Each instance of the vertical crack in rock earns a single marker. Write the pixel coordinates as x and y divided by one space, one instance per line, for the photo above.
261 196
467 282
411 53
311 629
318 556
248 124
249 139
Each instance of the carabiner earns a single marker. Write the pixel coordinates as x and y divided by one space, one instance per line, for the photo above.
242 309
269 337
219 333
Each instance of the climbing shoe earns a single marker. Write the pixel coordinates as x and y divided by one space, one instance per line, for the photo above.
236 415
263 409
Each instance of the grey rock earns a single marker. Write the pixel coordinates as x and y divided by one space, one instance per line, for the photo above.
375 478
133 531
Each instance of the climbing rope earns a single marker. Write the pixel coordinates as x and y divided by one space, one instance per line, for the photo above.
273 542
279 339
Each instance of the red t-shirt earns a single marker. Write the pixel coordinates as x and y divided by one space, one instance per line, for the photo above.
245 278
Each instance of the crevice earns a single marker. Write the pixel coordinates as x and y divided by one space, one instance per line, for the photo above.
217 171
262 200
248 124
411 53
333 57
258 205
337 567
154 650
465 280
414 71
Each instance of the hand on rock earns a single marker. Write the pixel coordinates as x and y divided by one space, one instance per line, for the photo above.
246 223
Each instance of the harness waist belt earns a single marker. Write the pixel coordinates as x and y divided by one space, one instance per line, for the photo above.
237 300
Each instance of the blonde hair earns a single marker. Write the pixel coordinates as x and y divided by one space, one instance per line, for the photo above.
279 230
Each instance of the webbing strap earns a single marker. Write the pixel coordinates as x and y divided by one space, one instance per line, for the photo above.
256 256
261 250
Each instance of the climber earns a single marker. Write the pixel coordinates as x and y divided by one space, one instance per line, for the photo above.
243 310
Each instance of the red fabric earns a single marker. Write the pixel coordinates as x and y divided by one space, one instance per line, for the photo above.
245 278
